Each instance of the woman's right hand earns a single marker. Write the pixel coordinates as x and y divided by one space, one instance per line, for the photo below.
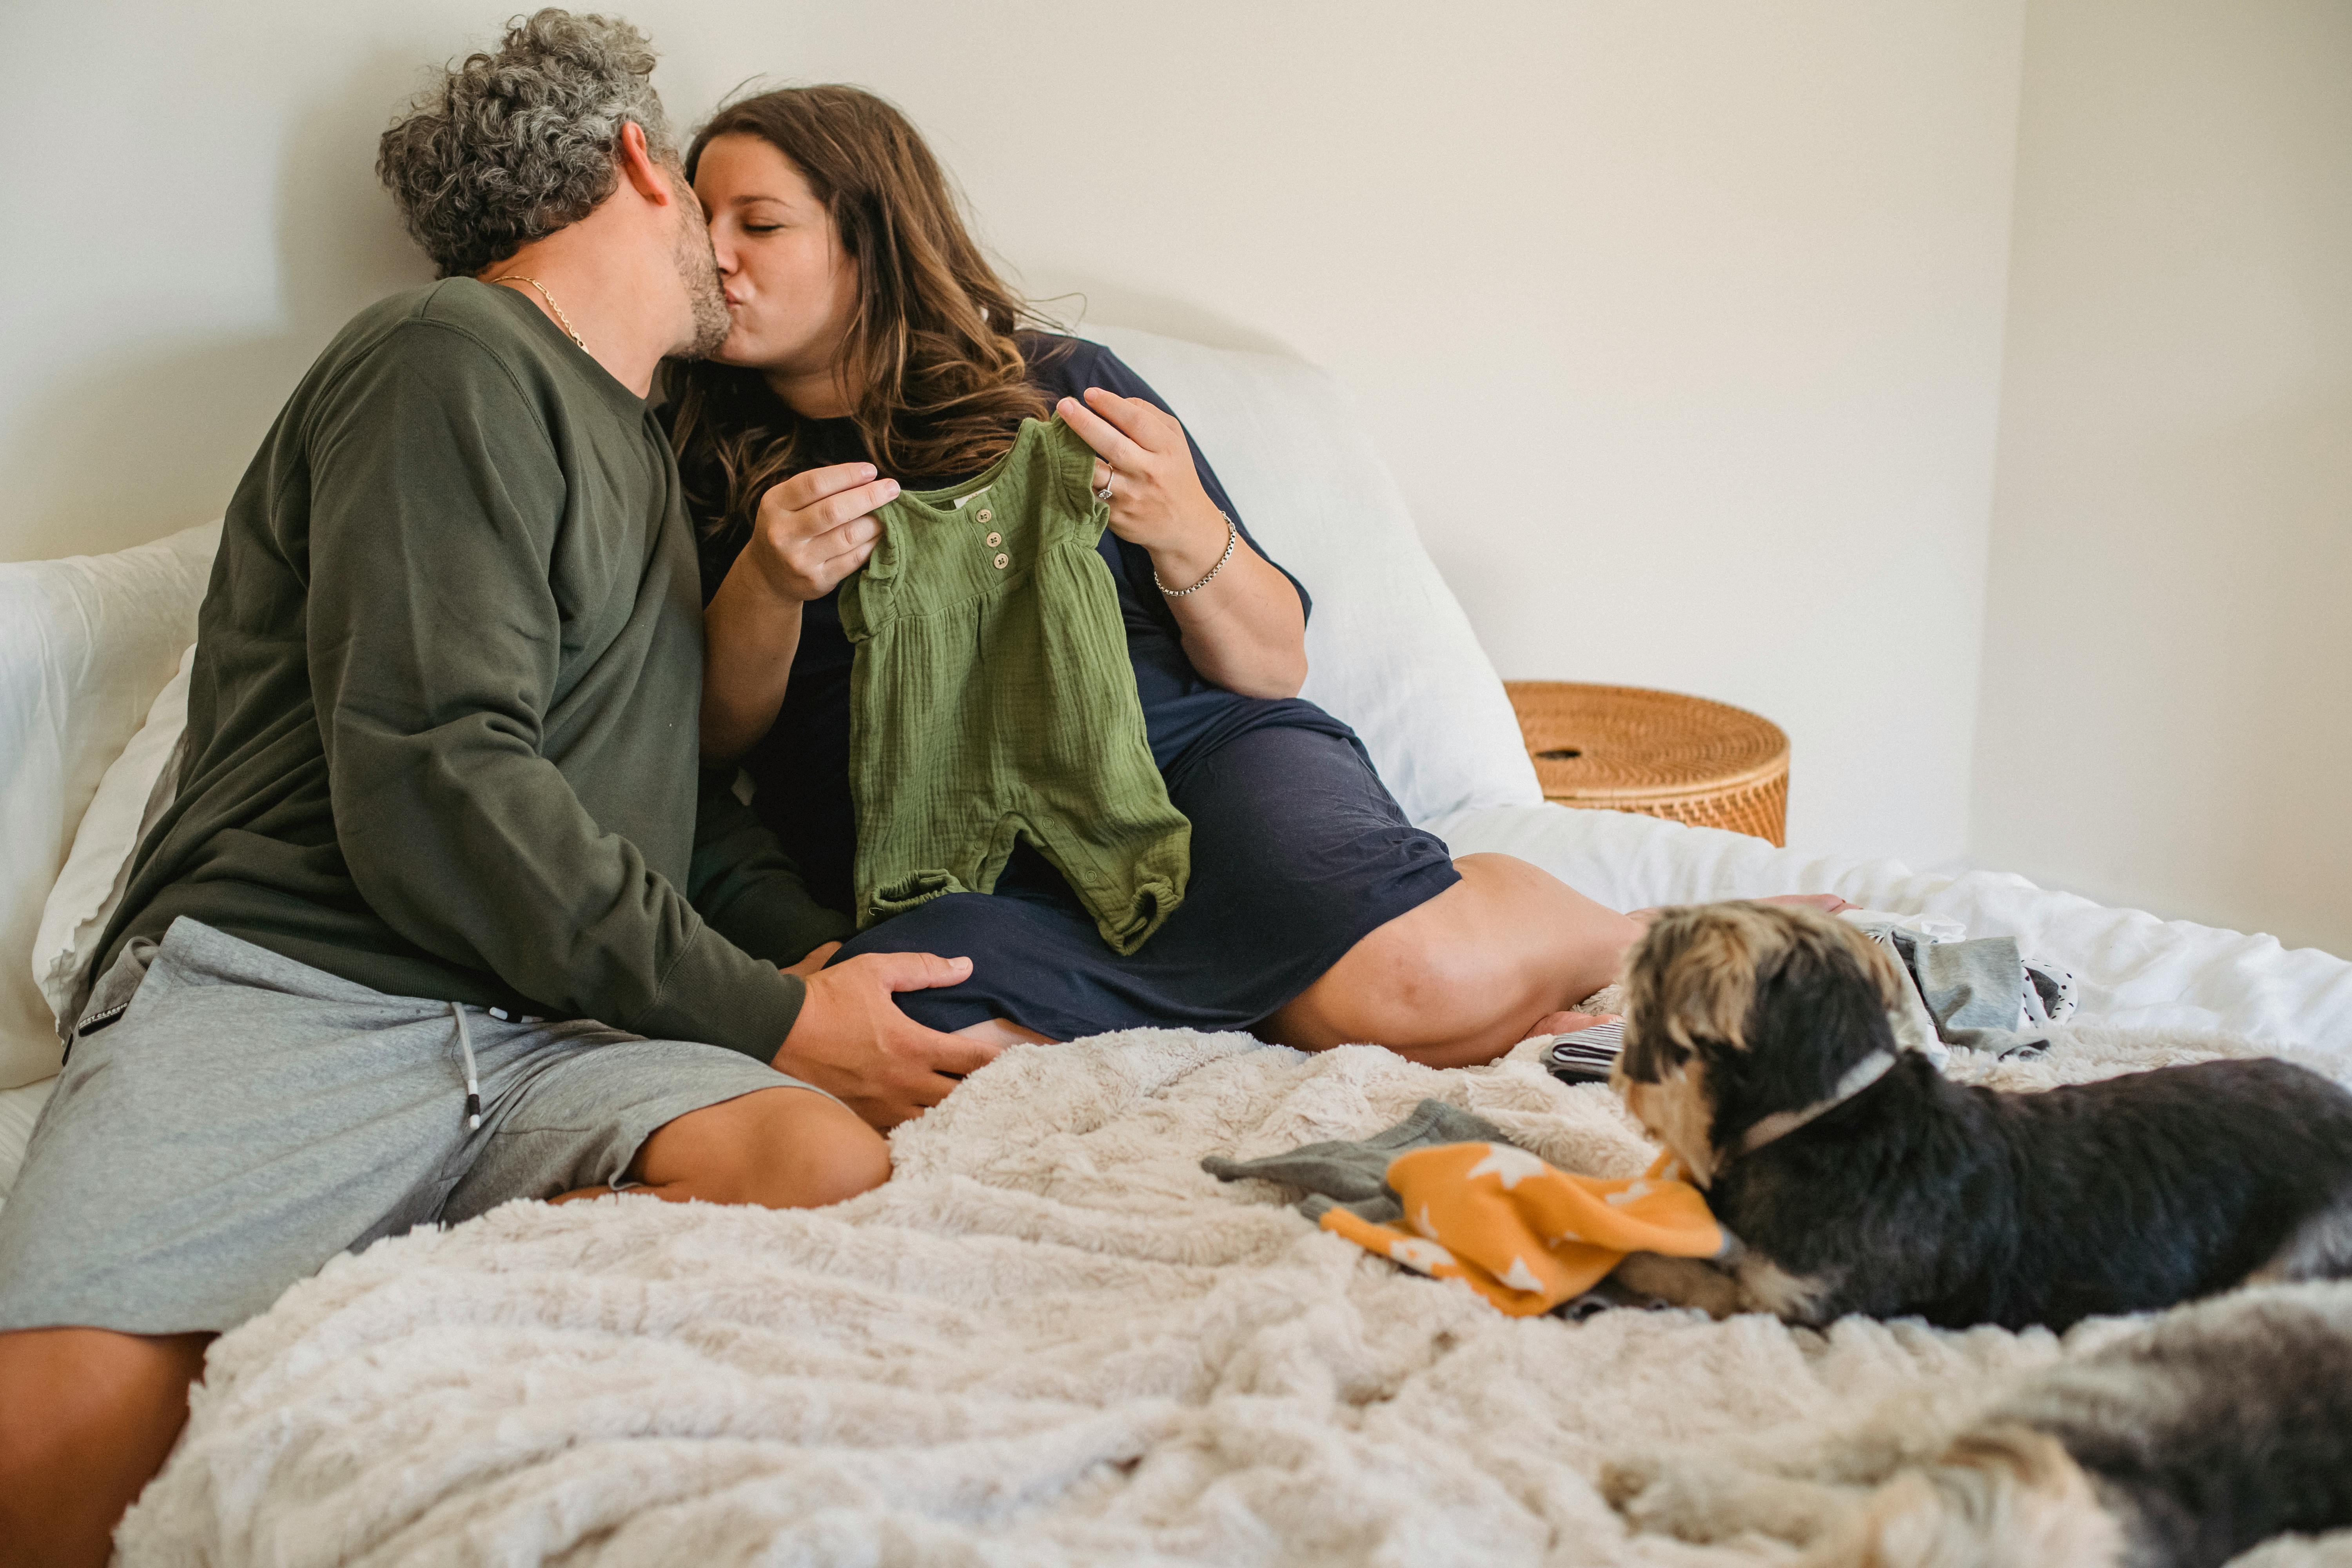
812 531
816 528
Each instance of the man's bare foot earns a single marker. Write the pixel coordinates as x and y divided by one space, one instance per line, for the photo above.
1828 903
1568 1023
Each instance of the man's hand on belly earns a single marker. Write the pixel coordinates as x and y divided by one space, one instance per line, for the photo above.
852 1041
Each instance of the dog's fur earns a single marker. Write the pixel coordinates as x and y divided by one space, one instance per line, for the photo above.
1916 1195
2180 1445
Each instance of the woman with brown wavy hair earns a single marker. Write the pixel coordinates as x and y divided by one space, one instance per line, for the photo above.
873 348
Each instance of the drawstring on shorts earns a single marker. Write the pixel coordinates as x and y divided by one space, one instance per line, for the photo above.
473 1084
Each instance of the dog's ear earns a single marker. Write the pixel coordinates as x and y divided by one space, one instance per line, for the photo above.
1820 1010
1736 1012
1690 985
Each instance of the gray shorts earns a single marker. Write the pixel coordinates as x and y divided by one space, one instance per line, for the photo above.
248 1117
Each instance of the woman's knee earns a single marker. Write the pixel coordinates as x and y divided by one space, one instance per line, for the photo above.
778 1148
1505 945
1546 929
1404 984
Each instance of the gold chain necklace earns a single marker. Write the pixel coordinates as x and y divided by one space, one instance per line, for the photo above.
562 320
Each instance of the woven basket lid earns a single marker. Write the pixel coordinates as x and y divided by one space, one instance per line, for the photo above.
1631 743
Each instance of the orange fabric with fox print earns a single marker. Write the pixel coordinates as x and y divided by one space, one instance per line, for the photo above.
1523 1233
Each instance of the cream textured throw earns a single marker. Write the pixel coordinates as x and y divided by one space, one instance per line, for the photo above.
1050 1339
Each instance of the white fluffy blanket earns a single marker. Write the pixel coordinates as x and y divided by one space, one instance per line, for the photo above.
1051 1338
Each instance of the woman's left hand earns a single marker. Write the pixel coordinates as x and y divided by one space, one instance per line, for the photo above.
1156 499
1248 632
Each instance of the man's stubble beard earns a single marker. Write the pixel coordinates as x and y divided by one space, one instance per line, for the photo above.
697 268
699 271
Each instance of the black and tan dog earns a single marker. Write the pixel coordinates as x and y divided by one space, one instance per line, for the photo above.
1857 1179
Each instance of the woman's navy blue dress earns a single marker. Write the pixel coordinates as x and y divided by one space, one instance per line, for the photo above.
1298 850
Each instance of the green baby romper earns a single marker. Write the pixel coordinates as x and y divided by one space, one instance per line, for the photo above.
991 699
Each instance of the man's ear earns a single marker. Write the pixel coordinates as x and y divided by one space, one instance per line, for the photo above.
635 161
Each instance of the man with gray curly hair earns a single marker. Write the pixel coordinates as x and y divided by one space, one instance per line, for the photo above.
444 912
515 147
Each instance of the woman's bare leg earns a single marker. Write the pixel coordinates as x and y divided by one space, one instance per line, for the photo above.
1498 957
1468 974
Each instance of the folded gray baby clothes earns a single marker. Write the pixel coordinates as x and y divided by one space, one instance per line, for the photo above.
1983 997
1978 993
1973 989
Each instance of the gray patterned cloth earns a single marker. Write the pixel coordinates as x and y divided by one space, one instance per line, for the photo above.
1353 1174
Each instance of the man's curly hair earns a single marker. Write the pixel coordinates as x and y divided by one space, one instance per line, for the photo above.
509 148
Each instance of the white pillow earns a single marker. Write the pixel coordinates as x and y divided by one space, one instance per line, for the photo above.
1388 650
85 644
134 793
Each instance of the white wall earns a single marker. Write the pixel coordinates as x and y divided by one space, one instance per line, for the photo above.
2167 672
1680 324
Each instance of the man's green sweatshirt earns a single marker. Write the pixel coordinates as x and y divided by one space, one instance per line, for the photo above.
443 716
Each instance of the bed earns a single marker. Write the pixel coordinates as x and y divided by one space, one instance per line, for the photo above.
1051 1337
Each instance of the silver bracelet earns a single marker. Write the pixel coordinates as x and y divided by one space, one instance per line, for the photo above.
1233 537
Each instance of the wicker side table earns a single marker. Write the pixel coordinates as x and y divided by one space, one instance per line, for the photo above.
1626 748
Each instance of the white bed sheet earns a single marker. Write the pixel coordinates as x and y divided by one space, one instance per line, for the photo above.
2134 969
